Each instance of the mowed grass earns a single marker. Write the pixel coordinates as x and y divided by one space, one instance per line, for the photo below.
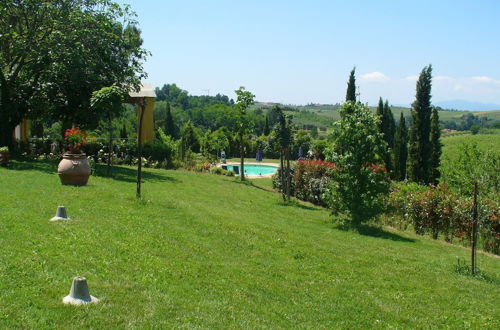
201 250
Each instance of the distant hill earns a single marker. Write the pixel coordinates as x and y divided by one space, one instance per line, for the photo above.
466 105
323 115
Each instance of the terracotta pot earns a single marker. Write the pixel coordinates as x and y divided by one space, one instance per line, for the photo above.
5 158
74 170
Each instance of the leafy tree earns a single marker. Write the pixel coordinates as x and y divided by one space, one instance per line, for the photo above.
302 139
475 129
244 100
351 87
54 54
189 140
180 98
435 160
214 142
169 123
174 95
360 183
108 102
420 145
400 150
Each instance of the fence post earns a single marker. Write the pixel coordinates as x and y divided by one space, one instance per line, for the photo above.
474 230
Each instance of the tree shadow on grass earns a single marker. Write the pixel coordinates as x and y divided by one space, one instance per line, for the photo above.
248 183
294 203
126 174
118 173
25 164
373 231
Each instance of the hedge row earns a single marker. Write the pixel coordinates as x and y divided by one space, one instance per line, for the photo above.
439 212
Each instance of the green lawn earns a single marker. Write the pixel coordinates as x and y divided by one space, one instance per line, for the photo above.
207 251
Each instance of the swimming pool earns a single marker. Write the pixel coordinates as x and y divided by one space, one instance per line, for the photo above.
253 169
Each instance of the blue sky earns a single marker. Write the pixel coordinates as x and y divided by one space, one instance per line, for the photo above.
302 51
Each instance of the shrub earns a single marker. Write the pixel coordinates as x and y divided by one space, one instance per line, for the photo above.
473 165
220 171
310 180
439 211
277 182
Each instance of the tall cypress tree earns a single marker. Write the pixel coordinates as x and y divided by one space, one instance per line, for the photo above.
351 87
400 150
436 148
420 145
267 130
387 127
390 125
380 114
169 122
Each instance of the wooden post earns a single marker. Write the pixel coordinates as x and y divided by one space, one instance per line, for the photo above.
282 176
474 230
142 107
288 175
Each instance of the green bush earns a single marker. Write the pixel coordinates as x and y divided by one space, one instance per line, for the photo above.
220 171
440 211
311 179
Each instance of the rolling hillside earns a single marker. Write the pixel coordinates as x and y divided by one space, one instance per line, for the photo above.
207 251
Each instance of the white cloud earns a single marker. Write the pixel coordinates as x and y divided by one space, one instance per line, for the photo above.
411 78
486 80
444 79
375 77
483 79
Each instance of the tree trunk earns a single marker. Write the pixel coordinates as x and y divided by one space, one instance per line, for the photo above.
288 175
6 135
242 156
282 175
474 231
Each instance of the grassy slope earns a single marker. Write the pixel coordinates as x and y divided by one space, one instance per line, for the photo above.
207 251
444 115
452 144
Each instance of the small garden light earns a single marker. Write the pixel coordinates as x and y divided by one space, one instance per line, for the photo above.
79 293
60 214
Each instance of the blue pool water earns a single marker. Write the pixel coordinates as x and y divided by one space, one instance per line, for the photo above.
254 169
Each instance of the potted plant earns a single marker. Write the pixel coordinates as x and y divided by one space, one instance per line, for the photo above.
74 168
4 156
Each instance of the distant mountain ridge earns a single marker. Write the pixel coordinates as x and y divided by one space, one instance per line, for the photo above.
467 105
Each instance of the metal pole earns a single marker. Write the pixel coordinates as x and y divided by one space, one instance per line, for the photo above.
142 107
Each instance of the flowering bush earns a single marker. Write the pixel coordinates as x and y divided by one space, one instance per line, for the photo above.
75 139
439 211
310 179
